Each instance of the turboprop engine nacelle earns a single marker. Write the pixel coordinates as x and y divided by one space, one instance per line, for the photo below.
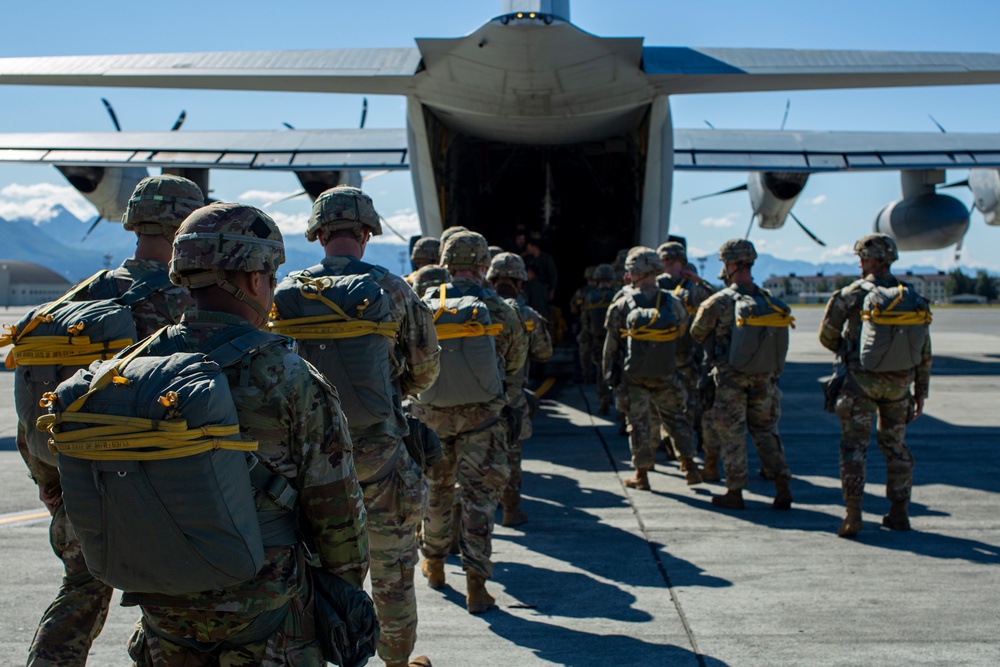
925 222
316 183
773 194
985 186
107 188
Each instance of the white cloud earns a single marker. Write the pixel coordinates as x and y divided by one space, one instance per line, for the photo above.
840 253
406 223
728 220
36 202
290 224
694 251
264 197
816 201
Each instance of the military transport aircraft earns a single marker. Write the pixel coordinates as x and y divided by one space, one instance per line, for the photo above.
528 102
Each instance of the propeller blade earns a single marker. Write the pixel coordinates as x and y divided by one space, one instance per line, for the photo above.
94 225
720 192
958 249
957 184
389 227
288 125
709 124
180 121
364 112
939 125
788 106
750 226
806 230
114 116
284 199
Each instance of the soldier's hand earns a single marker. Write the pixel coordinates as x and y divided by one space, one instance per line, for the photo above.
918 408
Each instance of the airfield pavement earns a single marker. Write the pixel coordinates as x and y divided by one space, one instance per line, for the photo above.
603 575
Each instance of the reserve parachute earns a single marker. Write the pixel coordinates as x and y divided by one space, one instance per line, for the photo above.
760 338
894 326
651 330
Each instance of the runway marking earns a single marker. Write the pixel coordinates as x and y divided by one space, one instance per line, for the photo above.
23 517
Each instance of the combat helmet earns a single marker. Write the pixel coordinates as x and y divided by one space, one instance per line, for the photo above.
429 276
448 233
342 207
219 238
877 246
672 251
604 273
737 251
465 250
507 265
426 250
641 260
159 204
588 273
494 251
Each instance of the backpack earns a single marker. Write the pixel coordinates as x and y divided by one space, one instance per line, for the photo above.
52 341
759 341
156 479
894 326
595 307
470 366
343 325
652 331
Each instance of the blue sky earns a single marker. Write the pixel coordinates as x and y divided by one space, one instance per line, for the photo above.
838 207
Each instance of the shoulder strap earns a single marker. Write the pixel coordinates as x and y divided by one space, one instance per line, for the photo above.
238 343
142 289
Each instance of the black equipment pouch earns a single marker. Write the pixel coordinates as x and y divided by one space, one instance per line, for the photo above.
346 625
423 444
831 390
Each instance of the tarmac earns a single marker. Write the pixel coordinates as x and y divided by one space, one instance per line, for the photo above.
604 575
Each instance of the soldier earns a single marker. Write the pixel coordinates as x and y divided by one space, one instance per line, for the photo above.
592 315
507 274
428 277
227 255
642 327
692 291
746 375
473 434
344 221
426 251
583 336
156 208
851 329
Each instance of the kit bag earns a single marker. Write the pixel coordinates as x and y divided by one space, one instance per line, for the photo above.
760 338
470 368
651 331
343 325
894 327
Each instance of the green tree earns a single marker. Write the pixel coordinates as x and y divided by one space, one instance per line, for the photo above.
822 286
958 283
986 285
842 282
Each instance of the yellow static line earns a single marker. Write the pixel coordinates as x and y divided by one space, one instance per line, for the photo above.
19 518
544 387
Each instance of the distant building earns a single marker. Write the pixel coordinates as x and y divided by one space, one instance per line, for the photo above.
819 288
28 284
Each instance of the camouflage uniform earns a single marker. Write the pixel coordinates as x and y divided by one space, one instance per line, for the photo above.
76 616
593 312
295 415
395 492
584 337
866 394
426 251
427 277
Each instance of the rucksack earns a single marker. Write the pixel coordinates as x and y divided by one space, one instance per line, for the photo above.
894 326
651 331
156 479
759 341
470 368
595 307
343 325
52 341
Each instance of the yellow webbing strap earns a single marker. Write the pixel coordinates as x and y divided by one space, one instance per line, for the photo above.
687 302
646 333
64 350
779 318
595 306
896 319
337 325
529 325
470 329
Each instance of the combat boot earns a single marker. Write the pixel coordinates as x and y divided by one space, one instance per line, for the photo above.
710 473
433 569
852 522
691 472
897 519
477 600
730 500
605 406
513 516
782 494
641 480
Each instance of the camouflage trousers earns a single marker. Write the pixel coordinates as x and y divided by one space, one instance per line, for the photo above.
586 342
864 398
75 618
688 375
668 400
746 402
603 392
512 490
395 507
475 455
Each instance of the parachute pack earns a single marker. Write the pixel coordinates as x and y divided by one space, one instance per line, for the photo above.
343 325
595 307
652 330
52 341
156 480
894 326
470 369
760 337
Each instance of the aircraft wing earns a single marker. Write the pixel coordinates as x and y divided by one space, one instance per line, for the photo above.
363 71
783 150
680 70
292 150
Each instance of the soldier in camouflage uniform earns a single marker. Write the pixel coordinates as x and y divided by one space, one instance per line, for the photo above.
742 401
692 291
665 395
428 277
593 312
344 221
507 274
584 339
426 251
74 619
474 437
227 255
866 394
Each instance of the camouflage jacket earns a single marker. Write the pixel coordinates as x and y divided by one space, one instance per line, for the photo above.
713 325
577 300
692 294
614 323
539 346
295 415
154 312
840 332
